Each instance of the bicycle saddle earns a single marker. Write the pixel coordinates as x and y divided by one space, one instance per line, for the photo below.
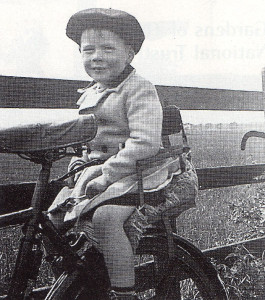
47 135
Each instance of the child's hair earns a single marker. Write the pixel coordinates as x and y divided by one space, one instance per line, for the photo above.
123 24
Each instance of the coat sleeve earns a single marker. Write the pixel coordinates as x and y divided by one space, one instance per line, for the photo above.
144 114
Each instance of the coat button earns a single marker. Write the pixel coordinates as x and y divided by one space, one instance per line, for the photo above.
104 149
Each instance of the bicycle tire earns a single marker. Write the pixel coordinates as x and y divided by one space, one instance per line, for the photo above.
155 277
167 277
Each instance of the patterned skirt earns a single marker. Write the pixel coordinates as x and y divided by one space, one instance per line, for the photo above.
179 195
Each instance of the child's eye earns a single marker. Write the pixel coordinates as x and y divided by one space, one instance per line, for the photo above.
108 49
88 50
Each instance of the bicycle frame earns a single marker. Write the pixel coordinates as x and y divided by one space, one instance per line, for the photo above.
30 253
23 265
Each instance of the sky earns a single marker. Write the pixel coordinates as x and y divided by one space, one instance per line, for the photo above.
199 43
17 116
196 43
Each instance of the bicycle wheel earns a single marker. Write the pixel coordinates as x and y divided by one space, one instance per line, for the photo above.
184 276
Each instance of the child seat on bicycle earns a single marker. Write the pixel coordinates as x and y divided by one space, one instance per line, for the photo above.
129 116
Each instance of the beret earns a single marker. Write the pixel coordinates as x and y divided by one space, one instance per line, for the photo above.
117 21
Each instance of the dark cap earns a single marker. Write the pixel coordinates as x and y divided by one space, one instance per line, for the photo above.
117 21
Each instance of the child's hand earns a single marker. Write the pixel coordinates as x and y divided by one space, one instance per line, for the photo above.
96 186
71 181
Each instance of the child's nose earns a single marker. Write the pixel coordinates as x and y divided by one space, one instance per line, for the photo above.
97 55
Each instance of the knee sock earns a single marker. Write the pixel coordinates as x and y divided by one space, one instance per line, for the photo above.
126 293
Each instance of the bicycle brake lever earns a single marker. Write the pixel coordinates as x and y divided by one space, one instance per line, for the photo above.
78 169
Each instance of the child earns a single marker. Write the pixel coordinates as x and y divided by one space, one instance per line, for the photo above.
129 116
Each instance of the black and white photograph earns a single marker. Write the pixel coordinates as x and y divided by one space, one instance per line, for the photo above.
132 150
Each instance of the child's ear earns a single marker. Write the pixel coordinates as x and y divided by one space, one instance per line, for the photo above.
130 54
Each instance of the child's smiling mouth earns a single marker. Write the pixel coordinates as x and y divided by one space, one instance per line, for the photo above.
98 68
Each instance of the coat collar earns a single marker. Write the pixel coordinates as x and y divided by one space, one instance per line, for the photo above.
90 98
115 83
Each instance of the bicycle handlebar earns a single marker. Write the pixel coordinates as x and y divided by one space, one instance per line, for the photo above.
249 134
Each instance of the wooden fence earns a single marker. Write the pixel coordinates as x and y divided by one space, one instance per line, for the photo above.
20 92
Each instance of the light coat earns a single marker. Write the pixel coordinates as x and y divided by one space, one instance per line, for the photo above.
129 118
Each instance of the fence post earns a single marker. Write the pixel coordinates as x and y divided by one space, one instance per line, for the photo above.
263 82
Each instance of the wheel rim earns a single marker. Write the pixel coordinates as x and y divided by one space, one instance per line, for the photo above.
156 279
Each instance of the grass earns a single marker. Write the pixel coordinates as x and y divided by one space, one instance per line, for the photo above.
224 215
243 274
221 216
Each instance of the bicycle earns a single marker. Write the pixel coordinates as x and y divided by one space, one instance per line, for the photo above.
165 262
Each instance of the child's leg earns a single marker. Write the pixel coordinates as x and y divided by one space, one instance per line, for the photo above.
108 223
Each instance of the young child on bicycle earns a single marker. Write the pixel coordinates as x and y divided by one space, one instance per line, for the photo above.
129 116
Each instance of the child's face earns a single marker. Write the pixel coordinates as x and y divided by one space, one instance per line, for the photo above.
104 54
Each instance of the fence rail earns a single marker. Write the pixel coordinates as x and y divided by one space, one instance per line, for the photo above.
14 197
26 92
